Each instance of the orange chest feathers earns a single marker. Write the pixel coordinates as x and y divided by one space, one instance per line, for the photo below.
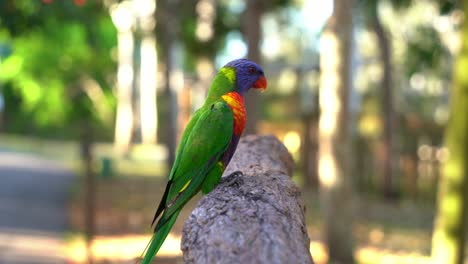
236 103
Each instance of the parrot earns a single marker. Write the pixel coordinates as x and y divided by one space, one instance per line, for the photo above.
207 144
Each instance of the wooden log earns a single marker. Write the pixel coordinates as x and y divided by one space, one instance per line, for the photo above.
257 217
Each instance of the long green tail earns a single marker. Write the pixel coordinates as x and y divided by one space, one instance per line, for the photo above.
158 239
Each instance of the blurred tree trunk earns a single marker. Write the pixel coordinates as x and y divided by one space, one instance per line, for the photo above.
409 155
136 88
137 69
387 100
123 20
334 146
309 149
173 74
252 32
90 187
147 72
448 241
2 110
308 98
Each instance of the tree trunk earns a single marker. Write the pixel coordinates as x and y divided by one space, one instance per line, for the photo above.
309 100
387 101
148 72
448 241
173 76
2 110
125 74
334 146
90 187
257 217
252 32
136 85
309 149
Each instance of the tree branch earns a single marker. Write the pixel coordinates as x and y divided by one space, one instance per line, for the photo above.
257 217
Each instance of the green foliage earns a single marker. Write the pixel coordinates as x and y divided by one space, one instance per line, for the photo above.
401 4
53 46
369 7
447 6
425 52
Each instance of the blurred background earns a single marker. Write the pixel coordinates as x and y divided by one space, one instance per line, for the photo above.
94 95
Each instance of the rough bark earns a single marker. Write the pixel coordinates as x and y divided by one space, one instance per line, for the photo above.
256 217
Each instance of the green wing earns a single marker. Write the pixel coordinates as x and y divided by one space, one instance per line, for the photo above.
188 130
206 138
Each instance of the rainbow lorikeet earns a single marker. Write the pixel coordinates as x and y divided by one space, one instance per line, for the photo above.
207 145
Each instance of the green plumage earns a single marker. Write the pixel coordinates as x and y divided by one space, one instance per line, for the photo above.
207 145
197 167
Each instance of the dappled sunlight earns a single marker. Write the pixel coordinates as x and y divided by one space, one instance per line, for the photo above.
206 12
371 255
205 69
122 18
148 104
330 109
120 248
319 252
327 170
361 93
22 245
287 81
292 141
129 247
329 101
370 125
368 254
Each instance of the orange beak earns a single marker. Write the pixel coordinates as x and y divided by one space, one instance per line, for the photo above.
261 83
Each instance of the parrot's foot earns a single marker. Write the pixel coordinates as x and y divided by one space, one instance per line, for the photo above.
236 174
231 178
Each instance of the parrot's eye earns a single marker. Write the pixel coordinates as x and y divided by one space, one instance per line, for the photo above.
252 70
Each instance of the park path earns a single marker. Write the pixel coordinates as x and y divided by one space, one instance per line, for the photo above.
33 200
